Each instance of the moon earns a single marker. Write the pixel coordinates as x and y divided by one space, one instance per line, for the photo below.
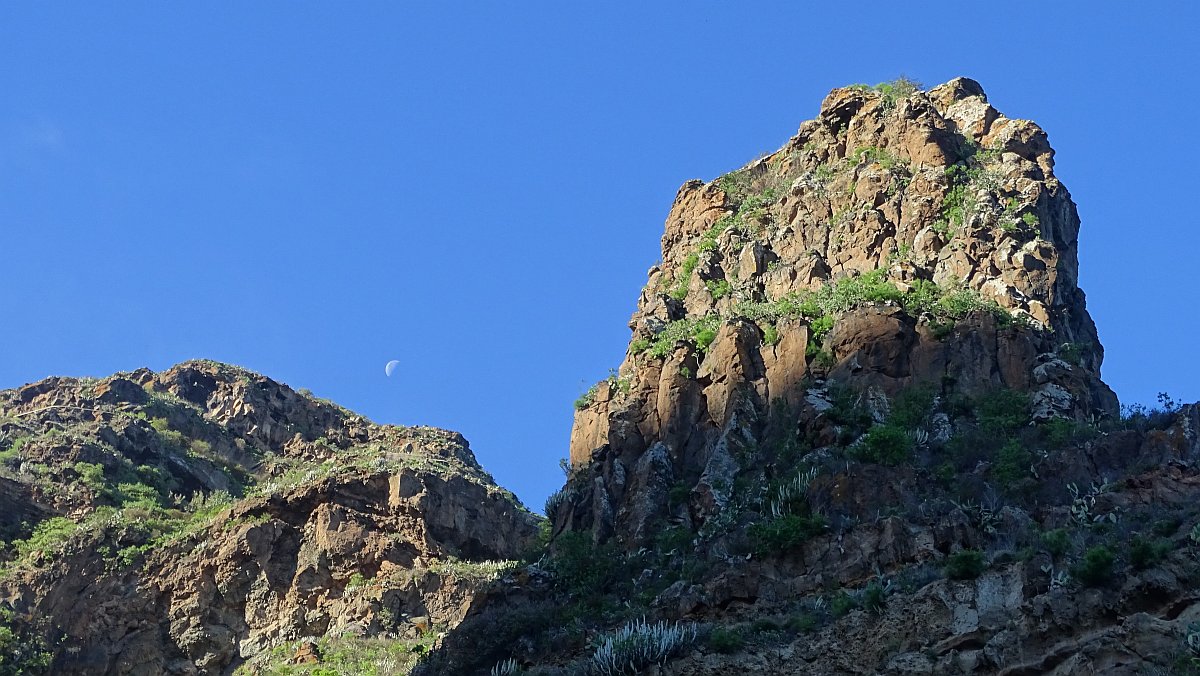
391 367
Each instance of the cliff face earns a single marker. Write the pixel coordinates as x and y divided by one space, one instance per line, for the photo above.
860 429
197 519
902 238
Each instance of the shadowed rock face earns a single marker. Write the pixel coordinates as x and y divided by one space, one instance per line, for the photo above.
344 528
931 192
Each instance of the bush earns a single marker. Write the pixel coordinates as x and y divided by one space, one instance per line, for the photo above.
556 501
912 407
582 567
21 652
14 450
967 564
874 598
700 331
784 533
1144 553
1012 463
842 603
1060 432
1057 542
897 90
886 445
1096 568
47 537
1002 411
726 640
718 288
770 334
801 623
91 475
138 495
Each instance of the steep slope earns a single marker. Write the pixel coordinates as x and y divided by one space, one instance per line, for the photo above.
187 521
860 429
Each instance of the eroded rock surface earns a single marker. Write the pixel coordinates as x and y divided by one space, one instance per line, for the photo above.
211 515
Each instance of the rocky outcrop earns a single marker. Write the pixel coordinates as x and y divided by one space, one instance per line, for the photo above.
860 429
900 239
207 516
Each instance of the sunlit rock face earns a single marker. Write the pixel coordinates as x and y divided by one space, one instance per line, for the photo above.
206 517
902 238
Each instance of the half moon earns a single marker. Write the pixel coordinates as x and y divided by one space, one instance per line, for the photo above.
391 367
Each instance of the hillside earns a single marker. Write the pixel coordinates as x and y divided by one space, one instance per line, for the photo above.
192 520
860 429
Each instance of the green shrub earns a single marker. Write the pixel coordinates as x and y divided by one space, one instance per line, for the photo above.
582 567
138 495
967 564
874 155
1012 463
1096 568
1167 526
1144 553
847 409
21 651
685 276
945 472
842 603
785 532
912 407
1002 411
824 359
91 475
1057 542
676 538
726 640
765 624
704 336
13 452
820 327
169 436
1059 432
896 90
587 398
801 623
700 331
770 334
47 537
886 445
679 494
718 288
874 598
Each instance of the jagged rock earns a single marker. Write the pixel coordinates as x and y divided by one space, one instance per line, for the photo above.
349 523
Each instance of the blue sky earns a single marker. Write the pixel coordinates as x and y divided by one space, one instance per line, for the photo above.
477 189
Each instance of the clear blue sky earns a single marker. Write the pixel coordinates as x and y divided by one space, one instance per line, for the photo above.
477 189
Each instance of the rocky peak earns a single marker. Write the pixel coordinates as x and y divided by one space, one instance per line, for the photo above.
860 429
902 238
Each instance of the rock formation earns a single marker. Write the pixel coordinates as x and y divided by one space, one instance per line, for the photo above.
860 429
192 520
895 240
